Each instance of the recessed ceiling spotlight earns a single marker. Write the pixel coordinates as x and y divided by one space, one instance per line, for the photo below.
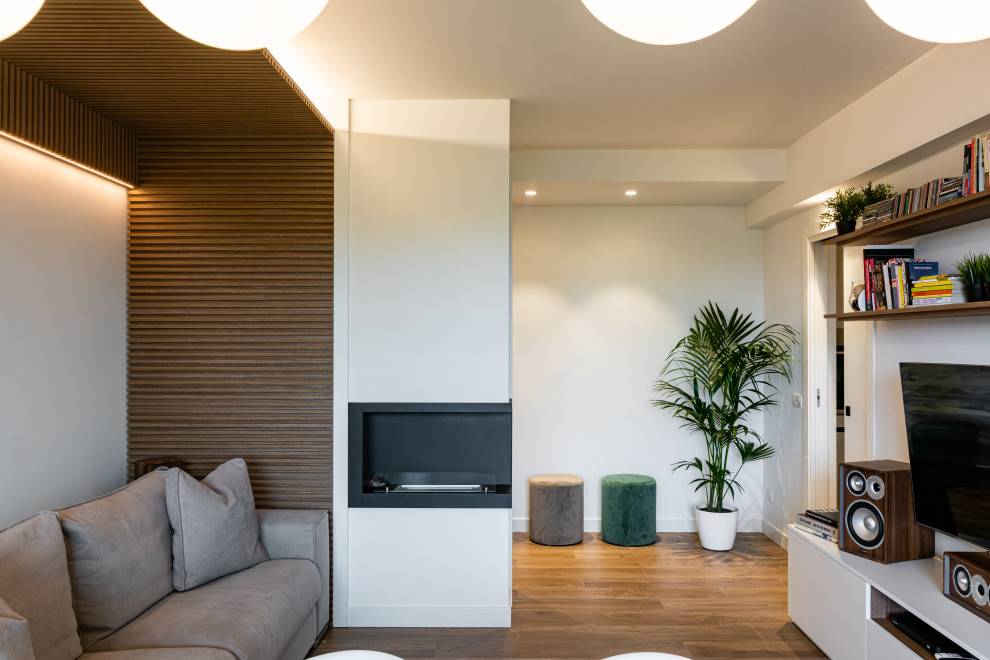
630 193
531 193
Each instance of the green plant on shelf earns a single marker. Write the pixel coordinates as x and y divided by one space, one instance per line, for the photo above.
843 206
873 194
847 205
974 268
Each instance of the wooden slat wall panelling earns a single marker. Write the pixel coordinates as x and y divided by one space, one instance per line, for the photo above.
34 111
231 311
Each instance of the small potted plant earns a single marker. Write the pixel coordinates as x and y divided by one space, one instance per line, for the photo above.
971 271
983 272
714 380
876 193
843 208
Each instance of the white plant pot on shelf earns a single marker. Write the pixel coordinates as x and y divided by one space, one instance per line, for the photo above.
717 529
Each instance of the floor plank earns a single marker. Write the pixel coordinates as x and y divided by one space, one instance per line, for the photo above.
594 600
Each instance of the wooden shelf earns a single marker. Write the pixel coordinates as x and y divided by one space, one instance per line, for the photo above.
954 213
931 311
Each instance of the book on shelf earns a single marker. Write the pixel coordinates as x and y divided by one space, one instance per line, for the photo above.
827 516
976 155
834 538
877 273
816 524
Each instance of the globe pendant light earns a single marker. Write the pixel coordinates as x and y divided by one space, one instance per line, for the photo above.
666 22
236 24
945 21
15 14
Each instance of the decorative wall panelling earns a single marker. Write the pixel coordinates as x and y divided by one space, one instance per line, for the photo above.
231 310
231 233
34 111
115 57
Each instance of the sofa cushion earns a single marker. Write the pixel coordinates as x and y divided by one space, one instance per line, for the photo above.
182 653
120 555
253 613
214 524
34 584
15 636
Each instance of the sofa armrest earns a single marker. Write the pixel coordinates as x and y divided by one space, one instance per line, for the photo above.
300 534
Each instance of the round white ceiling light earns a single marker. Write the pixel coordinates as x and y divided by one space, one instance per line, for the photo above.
667 22
15 14
236 24
947 21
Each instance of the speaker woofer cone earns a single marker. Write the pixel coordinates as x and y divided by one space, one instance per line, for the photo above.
856 482
962 580
864 522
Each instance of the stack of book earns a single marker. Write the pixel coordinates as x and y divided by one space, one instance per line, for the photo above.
936 290
823 523
879 212
880 292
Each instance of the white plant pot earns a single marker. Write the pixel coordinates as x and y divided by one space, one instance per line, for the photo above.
717 529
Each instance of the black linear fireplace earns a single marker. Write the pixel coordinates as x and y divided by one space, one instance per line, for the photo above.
430 455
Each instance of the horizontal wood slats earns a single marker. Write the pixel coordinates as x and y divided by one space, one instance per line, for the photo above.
231 311
34 111
117 58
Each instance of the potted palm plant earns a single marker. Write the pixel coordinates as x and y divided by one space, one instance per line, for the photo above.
714 380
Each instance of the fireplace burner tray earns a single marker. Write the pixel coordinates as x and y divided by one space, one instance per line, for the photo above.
439 482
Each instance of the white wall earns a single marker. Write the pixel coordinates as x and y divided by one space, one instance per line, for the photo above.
429 251
601 295
783 284
63 345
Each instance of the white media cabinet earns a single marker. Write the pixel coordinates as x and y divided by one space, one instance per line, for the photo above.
842 602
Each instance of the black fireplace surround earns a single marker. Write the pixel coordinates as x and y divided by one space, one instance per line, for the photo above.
430 455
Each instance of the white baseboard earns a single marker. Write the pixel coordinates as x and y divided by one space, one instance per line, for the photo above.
429 617
774 534
594 525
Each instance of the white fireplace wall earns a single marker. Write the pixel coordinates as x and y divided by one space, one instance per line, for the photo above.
429 251
424 254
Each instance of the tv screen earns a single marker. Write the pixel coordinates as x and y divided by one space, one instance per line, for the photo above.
947 414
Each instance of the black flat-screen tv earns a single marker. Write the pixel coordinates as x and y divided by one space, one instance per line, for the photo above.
947 414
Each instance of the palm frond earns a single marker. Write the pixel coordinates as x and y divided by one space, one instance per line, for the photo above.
714 379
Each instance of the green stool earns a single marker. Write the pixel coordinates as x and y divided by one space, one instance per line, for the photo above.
629 509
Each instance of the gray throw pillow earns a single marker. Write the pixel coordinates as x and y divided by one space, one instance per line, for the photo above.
214 524
15 638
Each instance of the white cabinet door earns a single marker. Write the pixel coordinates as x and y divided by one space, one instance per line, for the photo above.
826 601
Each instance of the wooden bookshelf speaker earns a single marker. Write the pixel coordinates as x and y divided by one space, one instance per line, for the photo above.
876 513
966 580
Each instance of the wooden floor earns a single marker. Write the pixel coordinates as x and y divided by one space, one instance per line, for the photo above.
594 600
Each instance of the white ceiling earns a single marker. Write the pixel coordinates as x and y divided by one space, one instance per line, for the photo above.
763 82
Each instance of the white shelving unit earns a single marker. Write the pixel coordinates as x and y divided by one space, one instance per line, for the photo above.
834 598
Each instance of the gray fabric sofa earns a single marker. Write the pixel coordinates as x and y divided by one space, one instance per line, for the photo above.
94 581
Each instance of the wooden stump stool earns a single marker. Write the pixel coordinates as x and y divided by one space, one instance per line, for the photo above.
556 509
629 509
